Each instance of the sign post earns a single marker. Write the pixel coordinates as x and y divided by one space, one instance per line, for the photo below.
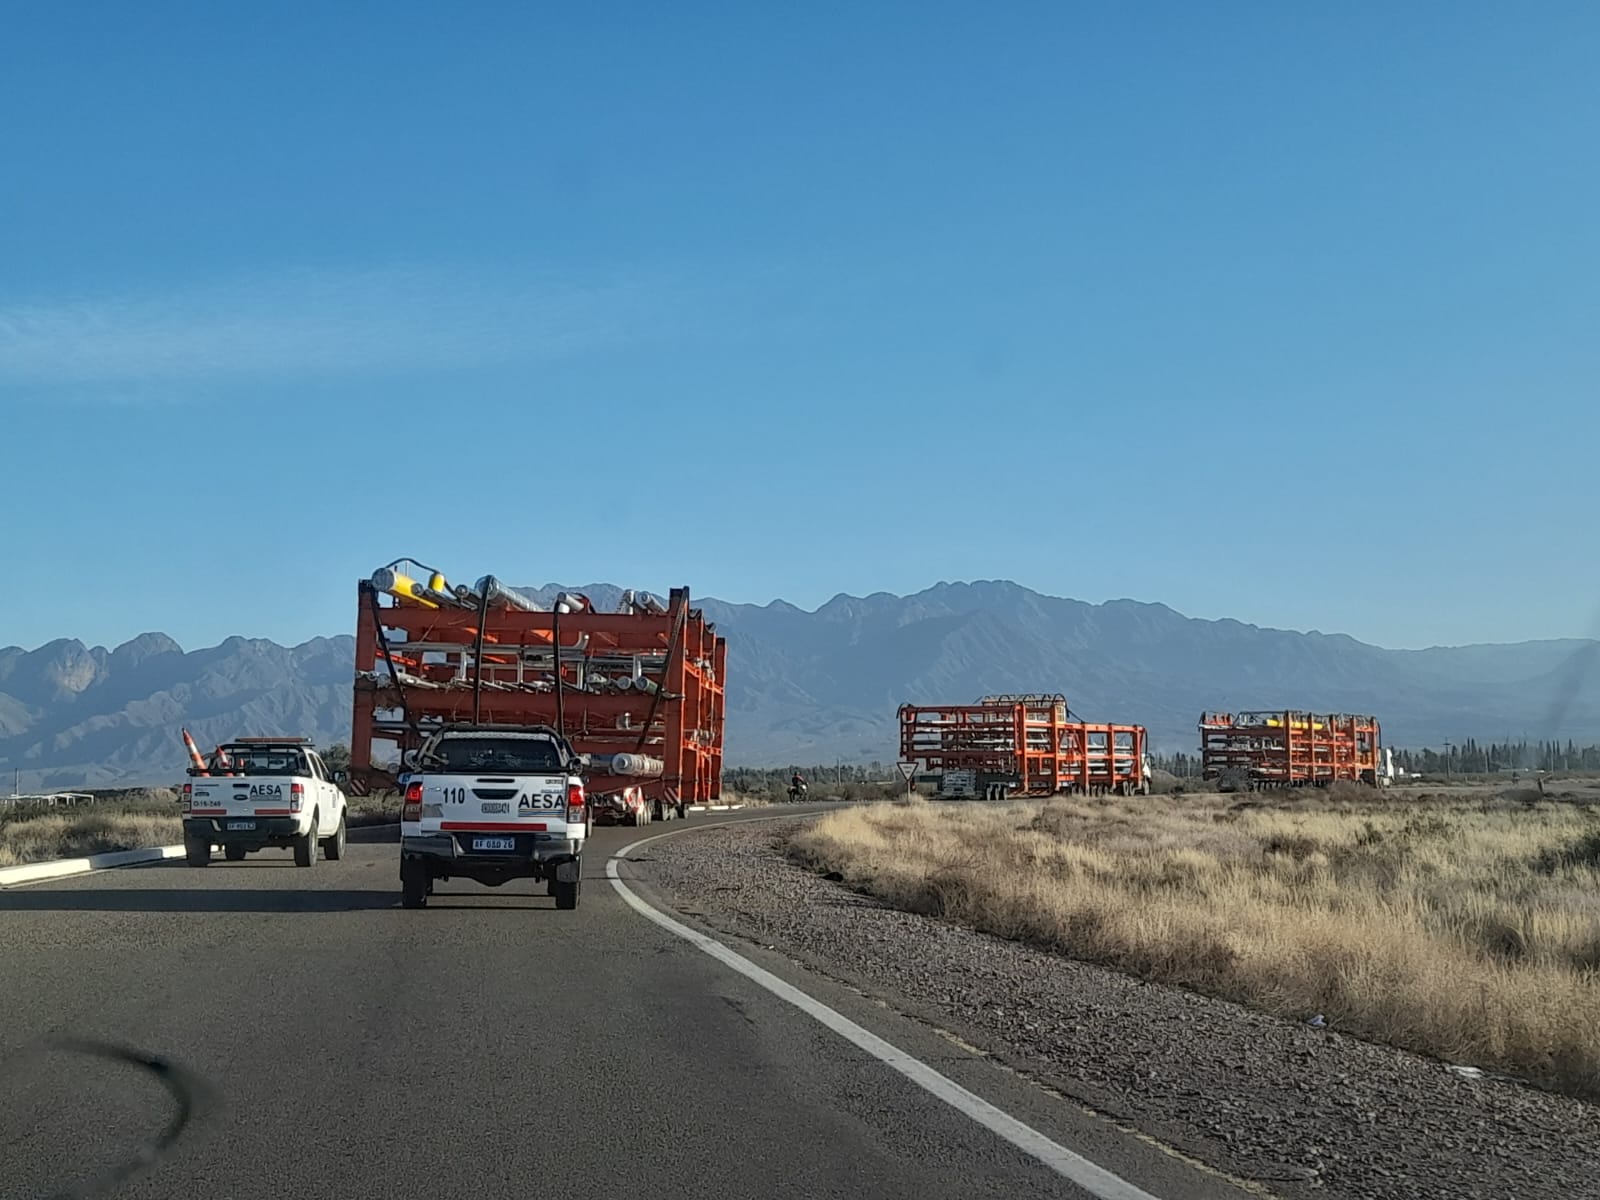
909 771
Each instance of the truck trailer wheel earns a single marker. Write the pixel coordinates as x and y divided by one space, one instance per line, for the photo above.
414 884
566 894
197 851
305 846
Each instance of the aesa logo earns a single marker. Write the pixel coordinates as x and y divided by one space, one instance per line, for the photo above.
266 790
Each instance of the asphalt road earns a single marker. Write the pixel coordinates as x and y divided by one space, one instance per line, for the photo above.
487 1046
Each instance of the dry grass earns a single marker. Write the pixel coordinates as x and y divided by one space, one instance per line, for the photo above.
1467 929
379 806
39 835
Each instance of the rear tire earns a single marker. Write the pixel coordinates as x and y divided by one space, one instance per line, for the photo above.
234 853
566 894
414 884
333 847
305 846
197 851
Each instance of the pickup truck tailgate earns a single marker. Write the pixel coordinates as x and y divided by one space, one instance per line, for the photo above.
494 803
241 797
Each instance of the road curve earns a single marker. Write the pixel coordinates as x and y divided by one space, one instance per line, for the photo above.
486 1046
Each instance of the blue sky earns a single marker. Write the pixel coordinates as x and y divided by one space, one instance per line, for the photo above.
1257 311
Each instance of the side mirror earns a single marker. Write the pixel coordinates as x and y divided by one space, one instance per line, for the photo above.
341 776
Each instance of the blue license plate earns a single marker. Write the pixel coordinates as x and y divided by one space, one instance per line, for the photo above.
247 825
494 843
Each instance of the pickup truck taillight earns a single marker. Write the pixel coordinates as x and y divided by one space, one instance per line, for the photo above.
188 796
297 796
575 814
412 811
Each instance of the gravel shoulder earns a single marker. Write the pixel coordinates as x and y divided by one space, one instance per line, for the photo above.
1301 1111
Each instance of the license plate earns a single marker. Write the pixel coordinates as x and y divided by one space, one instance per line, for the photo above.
494 843
241 824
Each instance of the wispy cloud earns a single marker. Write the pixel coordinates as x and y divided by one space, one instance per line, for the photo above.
327 322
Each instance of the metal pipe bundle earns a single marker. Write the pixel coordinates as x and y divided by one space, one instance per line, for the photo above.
490 586
638 766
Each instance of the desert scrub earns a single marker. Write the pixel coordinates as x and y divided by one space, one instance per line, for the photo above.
1466 929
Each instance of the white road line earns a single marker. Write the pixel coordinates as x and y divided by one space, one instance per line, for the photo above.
1091 1177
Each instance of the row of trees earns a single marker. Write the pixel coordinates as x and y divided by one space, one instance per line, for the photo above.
1471 757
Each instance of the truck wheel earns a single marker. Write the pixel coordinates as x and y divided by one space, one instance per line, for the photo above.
305 846
233 853
333 847
414 884
566 894
197 851
683 812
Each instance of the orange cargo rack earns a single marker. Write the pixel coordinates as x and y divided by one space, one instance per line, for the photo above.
1031 743
1289 748
639 682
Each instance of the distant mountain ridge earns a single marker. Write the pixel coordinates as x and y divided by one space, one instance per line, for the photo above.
815 686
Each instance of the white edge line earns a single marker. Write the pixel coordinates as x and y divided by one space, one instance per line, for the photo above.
1072 1166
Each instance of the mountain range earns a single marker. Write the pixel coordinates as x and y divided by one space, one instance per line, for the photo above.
809 687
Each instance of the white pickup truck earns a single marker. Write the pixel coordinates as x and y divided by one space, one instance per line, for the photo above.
492 804
260 792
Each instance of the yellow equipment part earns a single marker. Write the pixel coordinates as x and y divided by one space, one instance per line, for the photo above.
402 587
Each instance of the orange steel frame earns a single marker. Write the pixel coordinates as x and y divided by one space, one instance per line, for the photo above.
1289 748
679 651
1057 754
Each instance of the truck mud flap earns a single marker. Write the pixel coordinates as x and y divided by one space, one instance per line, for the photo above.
569 871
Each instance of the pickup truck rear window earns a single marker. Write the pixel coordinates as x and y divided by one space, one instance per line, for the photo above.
266 762
511 756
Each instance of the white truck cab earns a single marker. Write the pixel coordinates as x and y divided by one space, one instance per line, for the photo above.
260 792
493 803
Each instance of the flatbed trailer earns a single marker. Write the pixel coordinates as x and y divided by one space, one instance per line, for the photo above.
1290 748
1023 745
639 691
